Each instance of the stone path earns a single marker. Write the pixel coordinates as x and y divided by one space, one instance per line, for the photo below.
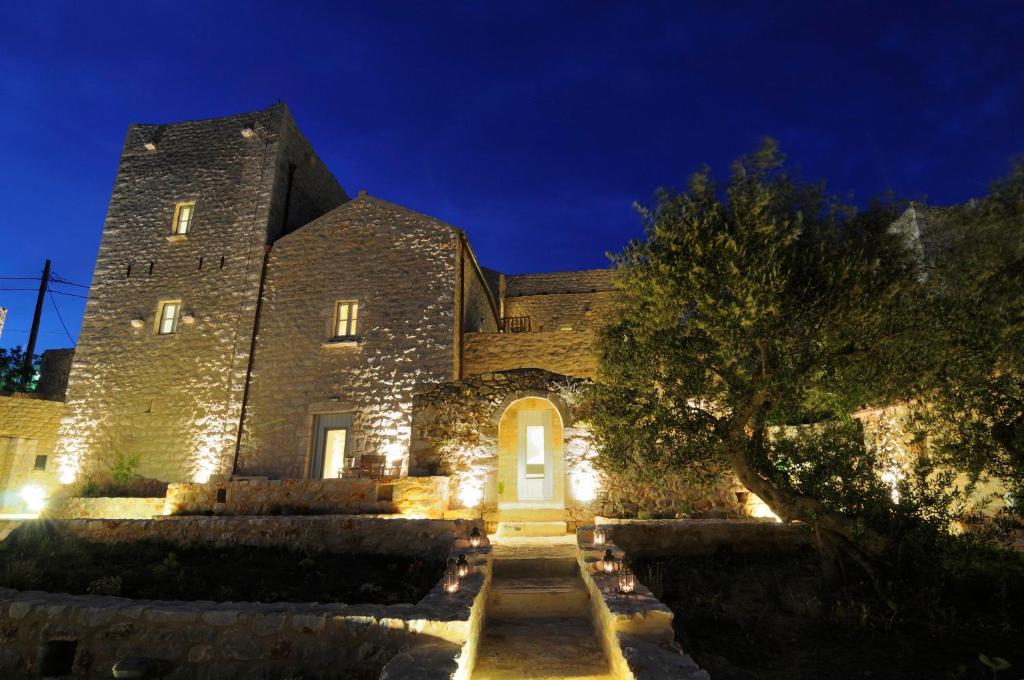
538 615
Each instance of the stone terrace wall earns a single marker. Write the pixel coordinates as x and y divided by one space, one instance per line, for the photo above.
565 352
331 533
110 508
207 641
412 496
28 428
654 538
401 268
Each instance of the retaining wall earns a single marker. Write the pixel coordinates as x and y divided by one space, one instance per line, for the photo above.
435 637
110 508
411 496
657 537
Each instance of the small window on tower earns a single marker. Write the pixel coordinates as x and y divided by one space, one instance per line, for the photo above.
167 321
183 213
346 313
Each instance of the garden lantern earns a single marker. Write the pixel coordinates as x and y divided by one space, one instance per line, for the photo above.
600 535
451 578
474 537
627 581
463 566
609 563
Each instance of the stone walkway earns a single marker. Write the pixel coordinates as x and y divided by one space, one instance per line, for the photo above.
538 615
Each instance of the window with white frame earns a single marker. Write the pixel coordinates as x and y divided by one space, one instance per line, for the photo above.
183 213
346 314
167 321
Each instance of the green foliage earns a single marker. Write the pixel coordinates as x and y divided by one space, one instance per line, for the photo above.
122 470
761 315
12 374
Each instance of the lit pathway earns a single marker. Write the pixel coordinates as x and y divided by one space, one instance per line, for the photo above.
538 615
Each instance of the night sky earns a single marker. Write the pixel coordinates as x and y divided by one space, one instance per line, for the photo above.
534 126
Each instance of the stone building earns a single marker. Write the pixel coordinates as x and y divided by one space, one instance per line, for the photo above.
248 318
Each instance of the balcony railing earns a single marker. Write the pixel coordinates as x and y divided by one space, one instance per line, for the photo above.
515 324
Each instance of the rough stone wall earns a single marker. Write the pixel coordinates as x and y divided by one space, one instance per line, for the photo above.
582 281
479 309
411 496
174 400
53 373
106 508
28 428
243 640
563 310
455 430
566 352
401 268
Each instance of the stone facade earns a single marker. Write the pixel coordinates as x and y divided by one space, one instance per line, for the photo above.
28 436
254 368
565 352
401 269
175 399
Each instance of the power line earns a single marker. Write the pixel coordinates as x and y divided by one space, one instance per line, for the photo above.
60 292
19 278
32 289
57 279
53 302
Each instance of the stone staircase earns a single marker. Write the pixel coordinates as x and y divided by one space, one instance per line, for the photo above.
538 613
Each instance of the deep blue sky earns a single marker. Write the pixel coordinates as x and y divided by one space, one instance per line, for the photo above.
532 125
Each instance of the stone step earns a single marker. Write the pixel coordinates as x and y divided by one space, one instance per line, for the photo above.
538 649
511 529
525 515
542 597
535 567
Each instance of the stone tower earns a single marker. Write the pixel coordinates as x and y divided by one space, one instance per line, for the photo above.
162 363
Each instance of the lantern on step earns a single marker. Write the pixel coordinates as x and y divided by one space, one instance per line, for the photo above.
462 564
627 581
451 577
600 535
474 537
610 564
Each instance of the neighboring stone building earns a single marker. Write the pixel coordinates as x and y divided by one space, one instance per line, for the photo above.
247 318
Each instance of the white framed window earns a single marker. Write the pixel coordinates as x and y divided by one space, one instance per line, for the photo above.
535 451
183 213
346 317
167 317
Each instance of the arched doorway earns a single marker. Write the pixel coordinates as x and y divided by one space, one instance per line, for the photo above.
531 461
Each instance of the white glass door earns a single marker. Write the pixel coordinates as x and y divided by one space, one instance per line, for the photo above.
534 455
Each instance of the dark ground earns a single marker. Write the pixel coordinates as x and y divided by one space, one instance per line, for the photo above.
40 559
770 618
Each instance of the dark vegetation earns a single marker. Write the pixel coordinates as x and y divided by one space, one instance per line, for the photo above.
13 377
773 617
37 557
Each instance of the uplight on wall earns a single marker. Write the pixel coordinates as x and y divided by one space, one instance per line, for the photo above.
34 497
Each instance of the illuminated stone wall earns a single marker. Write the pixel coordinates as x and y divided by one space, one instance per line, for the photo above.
401 267
174 400
565 352
580 299
28 428
455 432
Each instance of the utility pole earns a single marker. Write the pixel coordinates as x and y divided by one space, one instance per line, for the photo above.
31 350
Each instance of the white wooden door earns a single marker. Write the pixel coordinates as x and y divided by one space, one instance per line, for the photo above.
534 455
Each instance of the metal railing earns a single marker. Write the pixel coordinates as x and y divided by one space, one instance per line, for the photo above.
515 324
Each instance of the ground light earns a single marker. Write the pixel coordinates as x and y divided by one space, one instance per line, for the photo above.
474 538
34 497
609 563
451 577
463 566
627 581
600 535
